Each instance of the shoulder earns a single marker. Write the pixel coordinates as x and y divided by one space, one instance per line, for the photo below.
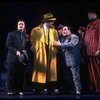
97 21
74 36
34 28
37 27
53 29
12 32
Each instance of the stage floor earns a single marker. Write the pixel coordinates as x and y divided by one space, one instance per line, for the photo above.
44 96
31 95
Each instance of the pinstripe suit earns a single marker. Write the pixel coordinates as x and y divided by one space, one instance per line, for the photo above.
92 42
71 51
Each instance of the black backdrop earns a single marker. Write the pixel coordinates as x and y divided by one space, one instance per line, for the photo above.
72 13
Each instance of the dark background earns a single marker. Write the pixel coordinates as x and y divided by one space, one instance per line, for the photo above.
71 13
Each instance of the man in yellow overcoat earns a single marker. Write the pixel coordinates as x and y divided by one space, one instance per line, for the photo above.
42 39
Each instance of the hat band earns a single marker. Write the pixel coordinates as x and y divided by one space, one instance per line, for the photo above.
48 18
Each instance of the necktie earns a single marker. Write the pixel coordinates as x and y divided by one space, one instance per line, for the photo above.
47 37
21 36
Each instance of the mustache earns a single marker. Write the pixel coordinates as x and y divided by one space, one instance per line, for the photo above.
21 27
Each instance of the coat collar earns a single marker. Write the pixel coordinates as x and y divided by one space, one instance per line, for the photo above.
42 38
41 30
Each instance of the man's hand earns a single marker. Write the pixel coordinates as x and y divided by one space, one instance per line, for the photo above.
97 53
57 43
18 53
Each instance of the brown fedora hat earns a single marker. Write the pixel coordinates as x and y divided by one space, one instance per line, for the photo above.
48 17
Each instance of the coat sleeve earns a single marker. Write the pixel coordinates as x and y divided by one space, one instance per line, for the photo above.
56 35
73 42
98 36
9 43
33 40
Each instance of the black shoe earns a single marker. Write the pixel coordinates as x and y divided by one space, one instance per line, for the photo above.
78 92
34 91
21 93
44 91
55 91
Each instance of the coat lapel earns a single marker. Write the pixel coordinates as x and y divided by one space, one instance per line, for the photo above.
42 38
21 43
18 36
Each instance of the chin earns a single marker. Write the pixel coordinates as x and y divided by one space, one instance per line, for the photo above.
64 34
21 30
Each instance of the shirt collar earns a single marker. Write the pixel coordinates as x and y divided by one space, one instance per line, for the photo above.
45 26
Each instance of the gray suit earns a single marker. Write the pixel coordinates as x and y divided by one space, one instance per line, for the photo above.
71 52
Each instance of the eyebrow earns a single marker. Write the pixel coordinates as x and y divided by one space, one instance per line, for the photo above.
65 29
21 23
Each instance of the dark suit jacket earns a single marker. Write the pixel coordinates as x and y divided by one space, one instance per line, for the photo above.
14 44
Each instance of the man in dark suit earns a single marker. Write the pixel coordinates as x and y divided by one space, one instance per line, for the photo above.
16 43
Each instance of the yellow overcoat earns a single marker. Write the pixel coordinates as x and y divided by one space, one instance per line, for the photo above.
43 71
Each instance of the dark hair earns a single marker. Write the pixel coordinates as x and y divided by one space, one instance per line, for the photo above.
69 28
21 19
92 10
60 26
82 28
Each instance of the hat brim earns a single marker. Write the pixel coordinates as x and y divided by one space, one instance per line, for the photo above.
50 19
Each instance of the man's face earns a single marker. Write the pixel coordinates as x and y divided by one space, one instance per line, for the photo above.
79 31
92 16
66 31
60 31
50 24
21 26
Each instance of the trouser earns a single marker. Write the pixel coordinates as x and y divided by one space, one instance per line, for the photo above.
15 78
76 77
94 73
